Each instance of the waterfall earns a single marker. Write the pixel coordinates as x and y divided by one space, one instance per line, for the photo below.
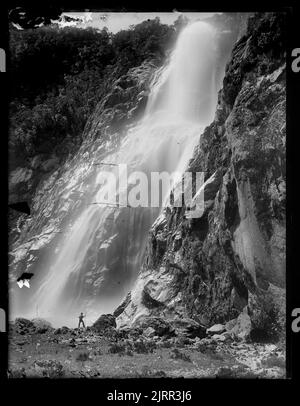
101 249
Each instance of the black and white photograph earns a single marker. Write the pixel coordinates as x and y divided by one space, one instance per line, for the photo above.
147 195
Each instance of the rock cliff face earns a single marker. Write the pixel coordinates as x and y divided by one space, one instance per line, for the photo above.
232 259
56 195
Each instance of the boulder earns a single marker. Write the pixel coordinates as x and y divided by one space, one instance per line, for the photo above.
64 330
24 325
42 324
105 321
216 329
219 337
149 332
243 326
159 325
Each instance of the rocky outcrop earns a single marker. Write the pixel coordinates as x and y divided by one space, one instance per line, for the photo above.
231 260
41 325
105 321
159 326
23 326
35 326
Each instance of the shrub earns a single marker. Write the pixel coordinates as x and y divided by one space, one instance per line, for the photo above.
128 352
274 361
144 347
17 373
42 330
181 342
176 354
265 321
147 372
165 344
50 368
117 349
58 75
54 372
83 356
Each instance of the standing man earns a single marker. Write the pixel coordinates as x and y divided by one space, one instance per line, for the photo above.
81 316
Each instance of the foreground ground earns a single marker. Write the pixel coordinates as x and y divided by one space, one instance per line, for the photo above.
70 353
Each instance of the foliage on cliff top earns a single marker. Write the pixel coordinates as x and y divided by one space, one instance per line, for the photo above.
59 75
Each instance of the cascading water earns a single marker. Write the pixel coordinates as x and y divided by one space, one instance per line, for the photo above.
101 249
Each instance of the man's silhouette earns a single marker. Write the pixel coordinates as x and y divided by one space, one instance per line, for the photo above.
81 316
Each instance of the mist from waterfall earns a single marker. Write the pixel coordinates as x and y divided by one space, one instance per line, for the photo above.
101 249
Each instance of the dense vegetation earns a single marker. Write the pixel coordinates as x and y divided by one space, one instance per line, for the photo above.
59 74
